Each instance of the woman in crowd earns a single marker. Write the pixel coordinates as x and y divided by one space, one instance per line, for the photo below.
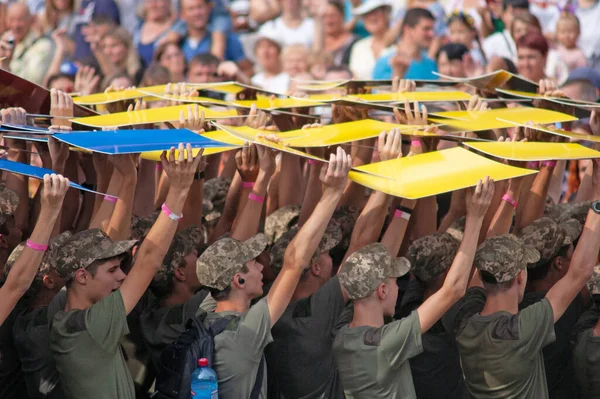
462 29
119 55
532 52
450 60
338 41
170 56
158 19
56 14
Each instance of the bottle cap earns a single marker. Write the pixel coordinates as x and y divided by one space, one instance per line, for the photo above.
203 362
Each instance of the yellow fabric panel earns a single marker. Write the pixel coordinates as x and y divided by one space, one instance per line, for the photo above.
106 98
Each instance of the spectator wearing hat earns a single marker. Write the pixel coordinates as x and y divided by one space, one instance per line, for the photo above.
85 336
272 78
31 330
555 243
375 15
230 270
501 346
410 60
583 84
368 277
586 343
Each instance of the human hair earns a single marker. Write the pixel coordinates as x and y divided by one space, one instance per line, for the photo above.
204 59
414 15
468 21
566 16
528 19
339 5
161 49
222 295
57 76
541 271
519 4
491 285
92 268
155 75
132 62
454 51
295 48
534 41
49 18
106 82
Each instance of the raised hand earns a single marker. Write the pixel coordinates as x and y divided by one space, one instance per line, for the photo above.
246 161
477 103
266 156
403 85
480 198
389 145
86 80
334 175
59 153
54 191
195 119
61 108
181 170
14 116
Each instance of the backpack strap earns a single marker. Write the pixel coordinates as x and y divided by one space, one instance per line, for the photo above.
259 379
220 325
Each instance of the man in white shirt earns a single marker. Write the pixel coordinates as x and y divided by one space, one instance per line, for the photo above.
291 27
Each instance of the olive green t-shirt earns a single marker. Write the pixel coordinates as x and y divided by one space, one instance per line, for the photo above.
239 350
373 362
501 353
89 358
586 355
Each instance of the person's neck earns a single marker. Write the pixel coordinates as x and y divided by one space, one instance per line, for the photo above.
306 288
159 22
334 37
409 48
177 297
235 304
272 72
507 301
196 34
378 37
367 314
77 300
291 18
44 298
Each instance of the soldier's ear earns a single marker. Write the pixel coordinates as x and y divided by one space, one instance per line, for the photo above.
382 291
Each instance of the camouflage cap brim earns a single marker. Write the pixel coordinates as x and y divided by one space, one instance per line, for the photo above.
254 246
331 238
572 229
399 268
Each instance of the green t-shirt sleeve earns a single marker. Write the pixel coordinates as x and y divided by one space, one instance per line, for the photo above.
255 329
472 303
536 327
106 321
401 340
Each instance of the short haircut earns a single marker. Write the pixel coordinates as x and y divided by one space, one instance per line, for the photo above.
204 59
414 15
454 51
528 19
221 295
156 75
338 4
540 272
534 41
520 4
57 76
93 267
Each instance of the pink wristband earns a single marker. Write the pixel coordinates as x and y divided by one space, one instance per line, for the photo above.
110 198
400 214
313 162
248 184
533 165
510 200
415 143
551 164
170 213
36 247
256 197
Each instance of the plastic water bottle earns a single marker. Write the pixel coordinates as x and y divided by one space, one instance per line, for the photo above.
204 382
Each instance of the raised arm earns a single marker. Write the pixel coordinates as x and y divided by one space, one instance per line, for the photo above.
26 266
455 284
394 235
303 246
119 227
584 258
154 248
536 200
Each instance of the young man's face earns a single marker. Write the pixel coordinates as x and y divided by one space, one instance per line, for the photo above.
253 279
108 278
195 13
422 34
389 303
201 73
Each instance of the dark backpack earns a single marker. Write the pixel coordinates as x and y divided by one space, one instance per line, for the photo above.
180 358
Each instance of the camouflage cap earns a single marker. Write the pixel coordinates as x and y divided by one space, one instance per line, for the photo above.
504 257
594 284
457 228
223 259
368 267
331 238
577 211
184 243
432 255
551 209
346 217
140 226
215 191
548 237
281 221
86 247
9 201
48 259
